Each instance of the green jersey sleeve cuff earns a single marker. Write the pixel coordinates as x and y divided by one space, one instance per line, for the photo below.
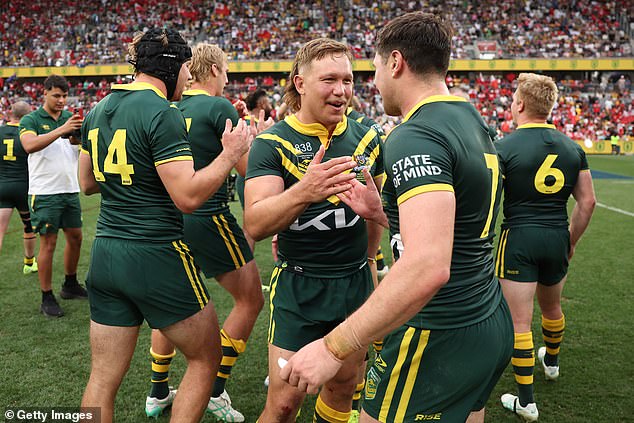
422 189
174 159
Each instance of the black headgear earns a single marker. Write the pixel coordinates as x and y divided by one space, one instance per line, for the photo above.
162 61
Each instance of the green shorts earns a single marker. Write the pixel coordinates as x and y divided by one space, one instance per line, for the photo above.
240 189
305 308
51 213
129 281
439 375
14 195
217 242
533 254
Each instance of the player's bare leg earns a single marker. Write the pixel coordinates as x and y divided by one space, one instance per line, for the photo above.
106 374
244 285
48 242
5 217
476 417
282 400
198 338
72 250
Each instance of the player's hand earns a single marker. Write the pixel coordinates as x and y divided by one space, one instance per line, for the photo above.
263 125
72 124
236 141
241 107
322 180
311 367
364 200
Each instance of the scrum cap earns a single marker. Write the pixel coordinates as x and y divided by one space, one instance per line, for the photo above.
161 59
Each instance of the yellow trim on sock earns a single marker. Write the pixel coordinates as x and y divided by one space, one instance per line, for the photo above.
160 368
554 325
330 414
162 357
524 341
223 375
552 340
523 362
228 361
238 345
159 381
524 380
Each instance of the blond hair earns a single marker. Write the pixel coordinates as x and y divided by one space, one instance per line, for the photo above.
204 56
539 94
313 50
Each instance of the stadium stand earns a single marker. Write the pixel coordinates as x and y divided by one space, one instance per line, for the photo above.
83 33
587 109
593 105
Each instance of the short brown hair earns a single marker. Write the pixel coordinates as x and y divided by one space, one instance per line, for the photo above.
313 50
204 56
56 81
424 40
538 92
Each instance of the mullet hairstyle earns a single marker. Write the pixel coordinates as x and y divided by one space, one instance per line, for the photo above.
204 56
424 40
312 51
539 94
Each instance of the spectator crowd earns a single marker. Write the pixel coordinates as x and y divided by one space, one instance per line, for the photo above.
65 32
587 109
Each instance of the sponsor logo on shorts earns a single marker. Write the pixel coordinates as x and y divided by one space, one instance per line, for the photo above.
513 272
427 417
371 384
380 364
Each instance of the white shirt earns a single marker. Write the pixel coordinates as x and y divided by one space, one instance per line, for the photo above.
53 170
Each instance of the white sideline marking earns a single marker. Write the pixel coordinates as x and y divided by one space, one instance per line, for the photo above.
616 210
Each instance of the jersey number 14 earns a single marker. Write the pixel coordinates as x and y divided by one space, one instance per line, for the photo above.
115 148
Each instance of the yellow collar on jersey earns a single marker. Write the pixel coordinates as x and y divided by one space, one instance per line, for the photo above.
536 125
138 86
12 124
432 99
316 129
196 92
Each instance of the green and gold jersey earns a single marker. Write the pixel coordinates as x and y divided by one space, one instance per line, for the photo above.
540 166
444 145
40 122
13 163
328 239
206 117
128 134
365 121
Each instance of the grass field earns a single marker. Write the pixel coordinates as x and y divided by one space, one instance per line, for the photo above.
45 362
